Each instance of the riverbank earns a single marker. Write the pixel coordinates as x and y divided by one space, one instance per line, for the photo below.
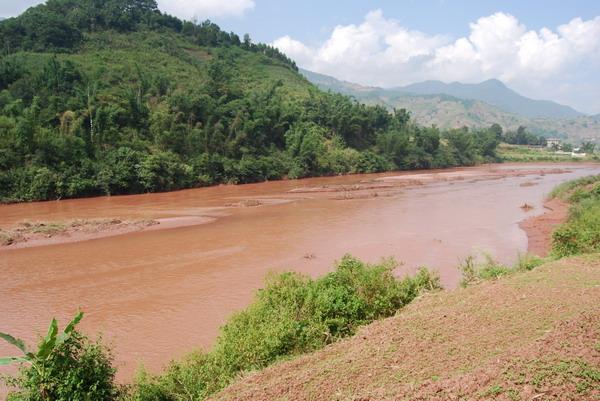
525 333
539 229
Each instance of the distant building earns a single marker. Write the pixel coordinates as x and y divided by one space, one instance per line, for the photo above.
552 142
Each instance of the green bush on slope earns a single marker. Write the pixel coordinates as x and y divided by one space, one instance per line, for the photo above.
292 315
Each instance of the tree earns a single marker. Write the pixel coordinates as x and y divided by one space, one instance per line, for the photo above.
588 147
566 147
247 43
304 142
496 130
462 145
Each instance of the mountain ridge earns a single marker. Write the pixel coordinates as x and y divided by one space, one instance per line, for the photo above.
491 91
447 111
496 93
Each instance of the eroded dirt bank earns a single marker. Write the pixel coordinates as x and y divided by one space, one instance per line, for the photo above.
539 229
182 278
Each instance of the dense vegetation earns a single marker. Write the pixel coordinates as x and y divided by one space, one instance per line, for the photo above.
292 315
581 233
66 366
114 97
521 136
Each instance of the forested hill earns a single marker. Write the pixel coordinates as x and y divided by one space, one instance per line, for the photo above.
112 97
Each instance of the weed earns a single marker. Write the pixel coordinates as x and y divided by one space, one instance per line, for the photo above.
494 390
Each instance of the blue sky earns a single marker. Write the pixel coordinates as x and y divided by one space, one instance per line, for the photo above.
311 20
543 49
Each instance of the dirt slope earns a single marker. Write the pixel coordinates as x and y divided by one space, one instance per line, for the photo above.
531 336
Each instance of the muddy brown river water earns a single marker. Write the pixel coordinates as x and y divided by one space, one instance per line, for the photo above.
156 294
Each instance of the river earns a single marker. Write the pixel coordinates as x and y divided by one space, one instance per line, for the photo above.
159 293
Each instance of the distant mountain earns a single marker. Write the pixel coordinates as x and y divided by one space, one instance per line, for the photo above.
447 111
497 94
330 83
493 92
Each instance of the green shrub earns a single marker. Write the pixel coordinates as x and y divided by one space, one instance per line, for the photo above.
581 233
292 315
491 270
566 188
528 262
66 367
474 271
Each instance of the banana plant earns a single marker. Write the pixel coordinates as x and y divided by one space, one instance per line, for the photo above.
49 343
39 359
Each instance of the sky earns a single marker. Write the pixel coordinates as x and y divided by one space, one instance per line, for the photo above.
543 49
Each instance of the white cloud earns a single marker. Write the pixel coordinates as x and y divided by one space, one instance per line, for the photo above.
380 51
301 53
202 9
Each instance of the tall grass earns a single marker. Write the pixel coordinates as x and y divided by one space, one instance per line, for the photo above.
474 269
566 189
581 233
292 315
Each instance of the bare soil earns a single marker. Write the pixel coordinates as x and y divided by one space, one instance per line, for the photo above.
539 229
530 336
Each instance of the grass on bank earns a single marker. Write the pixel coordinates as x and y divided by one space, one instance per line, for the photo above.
581 233
526 336
475 270
578 235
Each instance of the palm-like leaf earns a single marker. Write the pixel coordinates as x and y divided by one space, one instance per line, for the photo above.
48 342
20 344
12 359
71 326
62 337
